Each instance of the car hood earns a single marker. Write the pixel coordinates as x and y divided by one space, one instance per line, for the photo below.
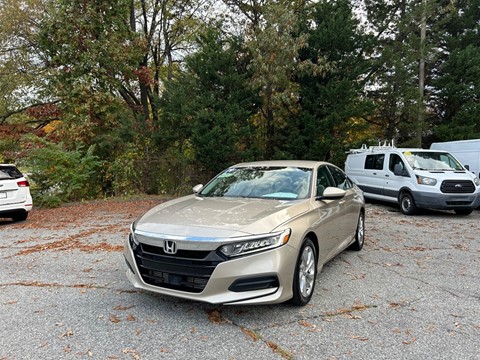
193 216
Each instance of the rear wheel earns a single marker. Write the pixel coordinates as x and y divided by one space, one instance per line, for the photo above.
357 245
407 204
305 274
20 216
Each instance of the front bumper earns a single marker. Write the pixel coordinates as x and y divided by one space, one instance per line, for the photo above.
441 201
278 263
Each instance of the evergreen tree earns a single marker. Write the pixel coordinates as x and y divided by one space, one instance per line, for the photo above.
209 107
331 97
457 82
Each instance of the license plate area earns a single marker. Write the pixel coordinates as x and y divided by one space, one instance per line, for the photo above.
3 195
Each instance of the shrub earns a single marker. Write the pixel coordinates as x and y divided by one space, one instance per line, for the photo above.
60 175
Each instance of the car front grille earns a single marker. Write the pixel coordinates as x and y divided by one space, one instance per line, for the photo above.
186 270
457 187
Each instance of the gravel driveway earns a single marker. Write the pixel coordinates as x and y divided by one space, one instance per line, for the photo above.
412 293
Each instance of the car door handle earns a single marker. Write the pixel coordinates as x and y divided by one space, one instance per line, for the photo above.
386 175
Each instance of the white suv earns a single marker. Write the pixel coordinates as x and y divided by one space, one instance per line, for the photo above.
15 198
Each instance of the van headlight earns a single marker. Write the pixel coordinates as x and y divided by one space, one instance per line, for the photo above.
476 181
423 180
257 244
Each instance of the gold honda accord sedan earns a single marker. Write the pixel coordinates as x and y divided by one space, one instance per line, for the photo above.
257 233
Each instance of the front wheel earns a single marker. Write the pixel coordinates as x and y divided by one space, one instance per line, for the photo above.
357 245
407 204
305 274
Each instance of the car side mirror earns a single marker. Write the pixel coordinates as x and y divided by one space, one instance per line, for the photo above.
467 167
197 188
399 170
332 193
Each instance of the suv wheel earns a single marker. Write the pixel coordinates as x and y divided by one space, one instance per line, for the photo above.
407 204
20 216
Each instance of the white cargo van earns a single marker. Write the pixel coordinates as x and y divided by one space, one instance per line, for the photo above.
414 178
466 151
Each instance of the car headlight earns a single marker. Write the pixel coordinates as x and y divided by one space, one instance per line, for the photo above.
476 181
423 180
261 243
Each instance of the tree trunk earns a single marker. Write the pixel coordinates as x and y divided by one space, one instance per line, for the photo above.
421 75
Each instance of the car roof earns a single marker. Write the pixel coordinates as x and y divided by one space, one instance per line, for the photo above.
310 164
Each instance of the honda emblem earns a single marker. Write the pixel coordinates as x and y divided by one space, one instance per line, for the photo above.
170 247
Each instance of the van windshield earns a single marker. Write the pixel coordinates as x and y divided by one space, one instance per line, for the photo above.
439 161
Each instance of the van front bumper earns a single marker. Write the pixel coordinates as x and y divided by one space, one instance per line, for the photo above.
446 201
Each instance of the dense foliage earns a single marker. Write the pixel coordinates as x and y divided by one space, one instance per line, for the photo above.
154 96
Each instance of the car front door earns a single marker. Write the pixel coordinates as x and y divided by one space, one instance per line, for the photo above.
349 205
330 216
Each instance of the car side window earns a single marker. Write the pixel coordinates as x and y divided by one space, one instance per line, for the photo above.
374 162
324 180
341 180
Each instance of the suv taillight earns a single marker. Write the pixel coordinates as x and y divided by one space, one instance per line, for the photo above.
23 183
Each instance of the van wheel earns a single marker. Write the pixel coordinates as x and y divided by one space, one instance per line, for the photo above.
305 274
407 204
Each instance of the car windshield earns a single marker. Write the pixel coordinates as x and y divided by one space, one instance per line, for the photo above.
9 172
439 161
285 183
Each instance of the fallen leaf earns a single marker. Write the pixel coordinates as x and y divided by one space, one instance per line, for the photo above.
215 317
361 338
250 333
114 319
67 334
121 308
410 341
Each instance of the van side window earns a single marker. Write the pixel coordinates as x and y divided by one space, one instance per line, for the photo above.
374 162
341 180
324 180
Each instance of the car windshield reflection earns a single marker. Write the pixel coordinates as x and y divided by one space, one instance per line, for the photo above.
284 183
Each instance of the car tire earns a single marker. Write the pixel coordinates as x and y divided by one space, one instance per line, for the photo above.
407 204
463 211
357 245
20 216
305 274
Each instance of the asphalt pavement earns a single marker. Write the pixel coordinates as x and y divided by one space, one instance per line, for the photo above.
413 292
